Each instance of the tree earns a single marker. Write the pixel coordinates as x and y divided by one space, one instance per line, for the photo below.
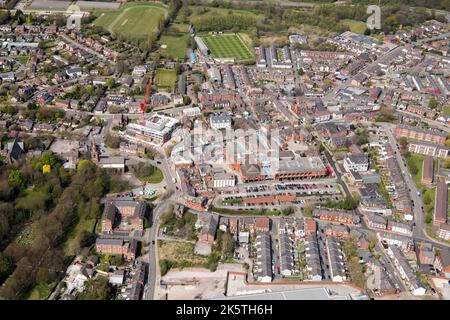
110 83
227 244
96 289
112 141
15 178
432 103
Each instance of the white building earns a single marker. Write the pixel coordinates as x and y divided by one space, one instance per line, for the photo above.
224 180
157 130
191 112
220 121
356 163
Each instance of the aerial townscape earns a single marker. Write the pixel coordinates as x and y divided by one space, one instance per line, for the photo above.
224 150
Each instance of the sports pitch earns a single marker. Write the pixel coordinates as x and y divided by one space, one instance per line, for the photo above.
227 46
135 20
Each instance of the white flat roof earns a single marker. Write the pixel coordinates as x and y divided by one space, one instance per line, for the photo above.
299 294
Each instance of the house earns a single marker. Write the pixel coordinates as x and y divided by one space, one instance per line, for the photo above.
263 264
220 121
399 227
312 256
405 270
15 150
442 262
262 224
127 249
336 260
286 254
428 171
336 215
209 229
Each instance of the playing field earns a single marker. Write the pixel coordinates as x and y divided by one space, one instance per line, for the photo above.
227 46
175 46
166 79
134 20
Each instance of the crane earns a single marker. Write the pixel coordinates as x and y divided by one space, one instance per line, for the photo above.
147 91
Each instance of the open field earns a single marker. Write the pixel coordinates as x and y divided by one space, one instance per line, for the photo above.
447 110
355 25
180 252
135 20
176 46
198 12
165 79
227 46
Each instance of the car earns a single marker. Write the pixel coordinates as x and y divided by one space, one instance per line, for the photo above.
158 162
153 241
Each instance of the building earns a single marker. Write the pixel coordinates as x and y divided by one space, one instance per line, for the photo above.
429 149
157 130
336 260
286 254
127 249
115 164
405 270
301 168
263 264
123 217
444 231
220 121
427 135
224 180
209 229
441 204
336 215
14 150
262 224
428 171
313 266
201 46
356 163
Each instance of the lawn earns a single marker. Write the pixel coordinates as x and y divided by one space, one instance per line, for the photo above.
133 20
227 46
447 110
418 161
176 46
180 252
166 79
156 177
355 25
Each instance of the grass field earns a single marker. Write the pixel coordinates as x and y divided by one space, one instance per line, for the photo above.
134 20
156 177
180 252
227 46
198 12
447 110
176 46
355 25
165 79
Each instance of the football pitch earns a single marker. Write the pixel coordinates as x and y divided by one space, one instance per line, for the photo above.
133 20
224 46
